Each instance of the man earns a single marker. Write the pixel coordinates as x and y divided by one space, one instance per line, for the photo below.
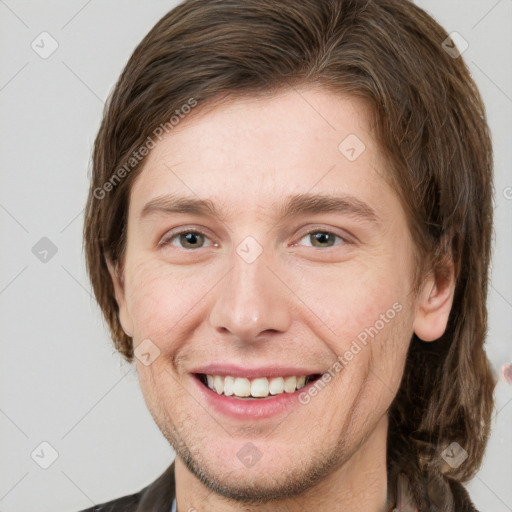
288 230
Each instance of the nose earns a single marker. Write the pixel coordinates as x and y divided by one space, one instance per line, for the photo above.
251 302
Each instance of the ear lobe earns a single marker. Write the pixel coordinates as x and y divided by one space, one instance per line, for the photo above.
435 302
116 274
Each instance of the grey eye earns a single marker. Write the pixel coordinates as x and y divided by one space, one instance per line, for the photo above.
322 239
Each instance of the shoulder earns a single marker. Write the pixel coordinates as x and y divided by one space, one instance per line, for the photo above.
159 494
125 504
461 497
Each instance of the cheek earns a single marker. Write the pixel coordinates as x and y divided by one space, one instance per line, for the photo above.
353 297
160 297
366 321
339 302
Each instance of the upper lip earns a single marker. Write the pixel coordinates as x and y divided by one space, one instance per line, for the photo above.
253 372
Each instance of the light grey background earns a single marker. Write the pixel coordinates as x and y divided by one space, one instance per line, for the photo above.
61 381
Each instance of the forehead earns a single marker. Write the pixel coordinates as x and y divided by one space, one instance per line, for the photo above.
253 151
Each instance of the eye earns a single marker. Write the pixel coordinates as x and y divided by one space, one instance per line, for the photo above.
189 239
323 239
194 239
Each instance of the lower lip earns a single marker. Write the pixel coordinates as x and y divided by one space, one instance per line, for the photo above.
250 409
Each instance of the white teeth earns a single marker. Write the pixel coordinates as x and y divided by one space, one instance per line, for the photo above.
260 387
229 384
276 386
218 384
242 387
290 384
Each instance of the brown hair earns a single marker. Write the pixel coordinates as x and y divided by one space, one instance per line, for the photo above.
431 126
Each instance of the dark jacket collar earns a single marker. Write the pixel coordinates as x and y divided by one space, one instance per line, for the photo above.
158 496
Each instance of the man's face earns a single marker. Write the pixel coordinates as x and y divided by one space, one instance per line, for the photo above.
266 292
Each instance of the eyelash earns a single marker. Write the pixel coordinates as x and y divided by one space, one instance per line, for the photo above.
167 240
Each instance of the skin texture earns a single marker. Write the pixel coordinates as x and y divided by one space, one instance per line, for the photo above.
302 302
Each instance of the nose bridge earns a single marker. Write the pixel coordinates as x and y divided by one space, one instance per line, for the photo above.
250 300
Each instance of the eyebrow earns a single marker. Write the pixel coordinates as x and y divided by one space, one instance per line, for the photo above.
300 204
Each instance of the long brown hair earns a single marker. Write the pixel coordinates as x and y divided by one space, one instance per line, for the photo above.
431 126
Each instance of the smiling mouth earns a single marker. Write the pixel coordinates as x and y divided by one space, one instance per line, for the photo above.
254 389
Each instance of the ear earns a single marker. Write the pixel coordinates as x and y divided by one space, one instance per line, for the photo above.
435 303
116 274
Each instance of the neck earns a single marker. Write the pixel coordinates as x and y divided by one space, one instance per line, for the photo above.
359 484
